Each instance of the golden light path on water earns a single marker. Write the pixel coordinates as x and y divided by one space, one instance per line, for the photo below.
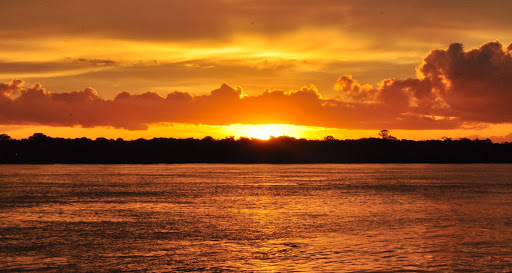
256 218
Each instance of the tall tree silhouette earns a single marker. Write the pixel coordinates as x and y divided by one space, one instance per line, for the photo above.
384 134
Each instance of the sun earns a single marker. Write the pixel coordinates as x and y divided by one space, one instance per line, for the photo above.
266 131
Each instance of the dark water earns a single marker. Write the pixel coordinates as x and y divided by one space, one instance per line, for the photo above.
263 218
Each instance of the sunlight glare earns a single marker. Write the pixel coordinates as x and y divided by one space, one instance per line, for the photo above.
266 131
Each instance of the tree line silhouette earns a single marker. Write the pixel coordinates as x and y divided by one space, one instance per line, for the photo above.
41 149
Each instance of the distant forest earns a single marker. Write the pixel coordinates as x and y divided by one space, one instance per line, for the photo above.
41 149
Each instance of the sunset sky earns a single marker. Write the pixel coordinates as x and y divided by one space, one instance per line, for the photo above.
144 69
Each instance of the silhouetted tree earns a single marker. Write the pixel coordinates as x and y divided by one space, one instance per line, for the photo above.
40 148
208 138
38 137
4 137
445 138
329 138
384 134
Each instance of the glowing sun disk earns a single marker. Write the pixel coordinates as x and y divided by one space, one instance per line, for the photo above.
265 131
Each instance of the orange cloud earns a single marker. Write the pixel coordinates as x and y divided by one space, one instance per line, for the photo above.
454 88
7 89
200 19
225 105
473 85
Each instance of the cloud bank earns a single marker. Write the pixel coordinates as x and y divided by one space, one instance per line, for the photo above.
454 88
200 19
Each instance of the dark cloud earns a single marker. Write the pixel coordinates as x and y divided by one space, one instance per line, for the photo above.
96 62
221 19
474 85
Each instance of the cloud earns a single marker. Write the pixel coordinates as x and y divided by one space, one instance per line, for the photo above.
353 91
454 89
63 67
207 19
7 89
222 106
94 62
502 139
62 47
474 85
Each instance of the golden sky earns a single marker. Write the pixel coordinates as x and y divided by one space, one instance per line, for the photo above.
130 69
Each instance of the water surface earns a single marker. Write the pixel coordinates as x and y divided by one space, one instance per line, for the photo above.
263 218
